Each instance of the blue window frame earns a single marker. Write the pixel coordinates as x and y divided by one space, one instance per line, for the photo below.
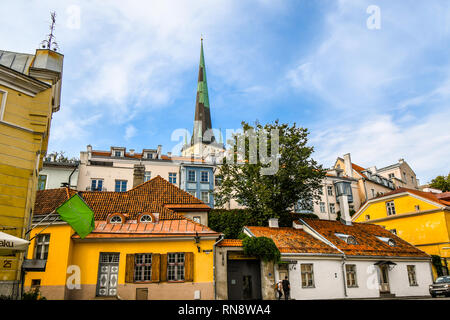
96 184
204 176
172 177
121 185
191 175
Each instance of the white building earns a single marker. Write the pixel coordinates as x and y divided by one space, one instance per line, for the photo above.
58 174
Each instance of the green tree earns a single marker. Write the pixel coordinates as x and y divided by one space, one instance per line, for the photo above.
441 183
262 247
298 178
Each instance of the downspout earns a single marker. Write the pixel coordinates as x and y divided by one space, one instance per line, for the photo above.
214 265
343 274
70 176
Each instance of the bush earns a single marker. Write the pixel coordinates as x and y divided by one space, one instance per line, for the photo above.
33 294
261 247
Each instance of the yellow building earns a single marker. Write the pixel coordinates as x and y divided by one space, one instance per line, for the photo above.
139 249
420 218
30 87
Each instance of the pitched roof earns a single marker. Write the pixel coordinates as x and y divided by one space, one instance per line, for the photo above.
162 228
19 62
427 195
290 240
151 196
366 237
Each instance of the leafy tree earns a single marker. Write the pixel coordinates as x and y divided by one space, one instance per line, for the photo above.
60 157
298 178
262 247
441 183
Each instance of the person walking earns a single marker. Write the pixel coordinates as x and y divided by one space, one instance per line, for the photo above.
286 288
280 289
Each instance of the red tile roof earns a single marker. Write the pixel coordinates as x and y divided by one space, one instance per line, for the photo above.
365 235
156 195
230 243
359 169
162 228
290 240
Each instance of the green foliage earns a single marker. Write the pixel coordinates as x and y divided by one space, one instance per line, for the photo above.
33 294
298 178
441 183
437 262
262 247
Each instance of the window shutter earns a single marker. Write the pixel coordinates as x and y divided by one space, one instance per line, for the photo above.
156 262
129 268
163 263
189 266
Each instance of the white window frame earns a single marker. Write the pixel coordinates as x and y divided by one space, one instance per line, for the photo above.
201 196
115 218
142 267
96 183
412 275
175 266
332 208
390 208
147 221
322 207
42 241
121 185
351 276
197 219
3 103
330 190
307 275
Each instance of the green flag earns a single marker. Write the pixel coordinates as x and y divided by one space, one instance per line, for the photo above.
78 214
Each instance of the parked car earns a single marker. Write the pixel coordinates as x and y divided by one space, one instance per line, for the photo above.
440 286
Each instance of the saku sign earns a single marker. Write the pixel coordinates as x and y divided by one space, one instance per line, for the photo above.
6 244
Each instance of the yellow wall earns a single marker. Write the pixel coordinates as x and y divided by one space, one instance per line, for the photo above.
63 251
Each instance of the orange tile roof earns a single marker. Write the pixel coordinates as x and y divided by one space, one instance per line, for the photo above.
365 235
230 243
427 195
290 240
162 228
156 195
359 169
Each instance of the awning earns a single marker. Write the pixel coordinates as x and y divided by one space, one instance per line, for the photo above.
34 265
383 263
10 243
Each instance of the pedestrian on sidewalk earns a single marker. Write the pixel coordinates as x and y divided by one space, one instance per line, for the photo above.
286 288
280 289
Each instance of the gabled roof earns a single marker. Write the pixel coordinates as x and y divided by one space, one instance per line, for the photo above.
290 240
366 236
151 196
427 195
230 243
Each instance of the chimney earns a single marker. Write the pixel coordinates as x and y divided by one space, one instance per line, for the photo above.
345 210
169 154
373 170
158 151
138 174
348 165
131 152
401 160
89 151
273 223
297 225
156 215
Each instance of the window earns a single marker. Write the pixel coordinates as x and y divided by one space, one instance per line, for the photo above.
35 284
391 175
388 241
173 177
412 275
412 179
175 266
307 275
116 219
143 267
330 190
197 219
322 207
121 186
332 208
147 176
417 207
404 176
191 176
367 217
149 155
204 176
41 246
96 184
390 208
146 218
349 239
394 231
373 192
205 196
42 181
117 153
350 271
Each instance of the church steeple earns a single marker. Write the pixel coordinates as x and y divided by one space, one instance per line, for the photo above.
202 120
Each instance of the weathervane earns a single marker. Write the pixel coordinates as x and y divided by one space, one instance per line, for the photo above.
50 43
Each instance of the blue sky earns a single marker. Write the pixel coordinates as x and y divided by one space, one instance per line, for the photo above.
130 72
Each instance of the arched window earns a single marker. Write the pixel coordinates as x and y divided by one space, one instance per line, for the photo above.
116 219
146 218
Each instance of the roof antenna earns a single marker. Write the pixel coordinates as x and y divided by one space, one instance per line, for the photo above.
50 43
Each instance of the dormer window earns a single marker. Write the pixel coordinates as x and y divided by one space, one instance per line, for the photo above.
349 239
388 241
118 152
116 219
145 218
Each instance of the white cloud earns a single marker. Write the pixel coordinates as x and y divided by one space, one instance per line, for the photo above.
130 132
